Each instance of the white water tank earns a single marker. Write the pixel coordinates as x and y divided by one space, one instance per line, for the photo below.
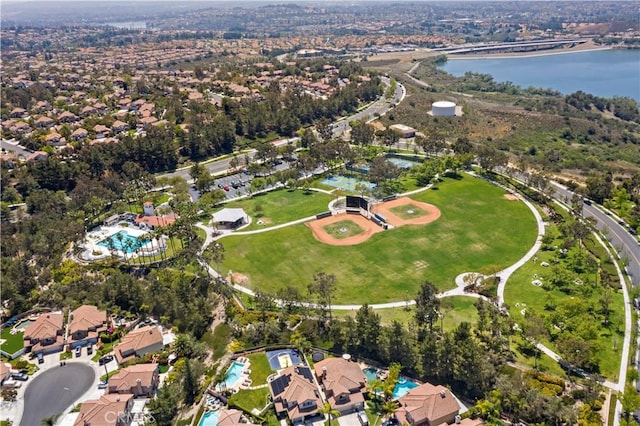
443 109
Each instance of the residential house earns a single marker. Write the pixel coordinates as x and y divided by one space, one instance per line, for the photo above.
140 380
79 134
138 342
119 126
343 383
19 113
102 131
20 128
87 322
44 122
153 222
294 393
36 156
5 372
54 138
68 117
427 405
232 417
109 410
87 111
44 335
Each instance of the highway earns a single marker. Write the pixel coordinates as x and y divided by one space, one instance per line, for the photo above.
625 244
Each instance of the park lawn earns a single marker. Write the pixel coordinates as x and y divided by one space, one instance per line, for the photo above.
250 399
457 309
479 230
544 363
521 294
260 368
281 206
12 342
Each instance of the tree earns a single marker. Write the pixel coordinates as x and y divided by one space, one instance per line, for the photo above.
427 305
165 405
489 158
328 410
599 187
630 400
534 330
362 133
362 189
190 383
323 285
369 330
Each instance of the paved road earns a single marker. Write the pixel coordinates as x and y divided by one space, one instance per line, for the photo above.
379 107
53 391
625 243
12 146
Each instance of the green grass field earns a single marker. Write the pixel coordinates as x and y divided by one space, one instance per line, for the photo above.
478 230
260 368
281 206
343 229
12 343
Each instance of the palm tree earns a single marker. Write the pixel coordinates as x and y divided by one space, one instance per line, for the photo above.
328 410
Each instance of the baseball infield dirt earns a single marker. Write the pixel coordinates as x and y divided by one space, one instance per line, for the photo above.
432 212
317 228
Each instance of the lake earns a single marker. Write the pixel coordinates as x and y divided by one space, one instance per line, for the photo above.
605 73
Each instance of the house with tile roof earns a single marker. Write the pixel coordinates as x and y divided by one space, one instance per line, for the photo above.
109 410
5 372
139 342
295 394
343 383
232 417
427 405
44 335
85 325
140 380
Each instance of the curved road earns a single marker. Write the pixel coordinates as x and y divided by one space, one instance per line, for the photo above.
53 391
625 243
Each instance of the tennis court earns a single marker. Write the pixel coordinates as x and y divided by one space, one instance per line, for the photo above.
283 358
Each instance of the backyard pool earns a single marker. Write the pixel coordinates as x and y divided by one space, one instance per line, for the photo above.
24 324
403 386
370 374
209 419
127 243
233 374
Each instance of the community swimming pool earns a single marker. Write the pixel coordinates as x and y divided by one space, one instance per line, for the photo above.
346 182
209 419
403 387
127 244
233 374
403 163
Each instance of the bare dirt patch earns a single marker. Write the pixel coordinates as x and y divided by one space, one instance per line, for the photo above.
320 234
511 197
429 212
238 278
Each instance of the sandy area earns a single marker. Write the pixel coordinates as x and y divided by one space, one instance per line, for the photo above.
317 228
433 213
510 197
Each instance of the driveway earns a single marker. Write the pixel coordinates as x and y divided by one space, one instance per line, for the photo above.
349 420
53 391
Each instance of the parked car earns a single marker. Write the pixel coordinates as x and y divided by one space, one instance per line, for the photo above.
20 376
105 359
40 358
78 351
89 350
103 385
226 187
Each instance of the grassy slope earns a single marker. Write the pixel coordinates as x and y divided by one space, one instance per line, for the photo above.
478 230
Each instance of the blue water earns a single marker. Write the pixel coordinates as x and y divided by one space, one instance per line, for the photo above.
233 374
345 182
402 163
403 386
116 243
370 374
209 419
604 73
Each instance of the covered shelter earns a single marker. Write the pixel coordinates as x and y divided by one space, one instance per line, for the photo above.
229 218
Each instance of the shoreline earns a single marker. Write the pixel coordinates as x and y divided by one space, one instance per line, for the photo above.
517 55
